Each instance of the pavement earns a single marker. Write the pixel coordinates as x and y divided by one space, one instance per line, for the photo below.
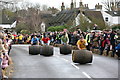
60 66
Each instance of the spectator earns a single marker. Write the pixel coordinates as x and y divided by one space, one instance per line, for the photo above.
113 42
95 27
5 61
74 38
35 40
58 38
117 48
46 40
82 43
64 39
1 58
102 45
20 39
9 43
88 39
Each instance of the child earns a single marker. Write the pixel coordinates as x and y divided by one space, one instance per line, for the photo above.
5 61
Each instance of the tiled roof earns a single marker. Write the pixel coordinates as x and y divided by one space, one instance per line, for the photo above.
64 16
93 14
114 13
67 15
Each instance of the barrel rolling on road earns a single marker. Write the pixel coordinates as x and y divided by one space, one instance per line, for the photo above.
46 50
65 49
82 56
34 49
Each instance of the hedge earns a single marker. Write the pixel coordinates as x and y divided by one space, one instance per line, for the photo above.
56 28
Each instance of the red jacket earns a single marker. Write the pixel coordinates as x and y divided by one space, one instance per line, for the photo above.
45 40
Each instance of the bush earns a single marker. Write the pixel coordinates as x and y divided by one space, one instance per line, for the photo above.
116 27
25 32
20 26
56 28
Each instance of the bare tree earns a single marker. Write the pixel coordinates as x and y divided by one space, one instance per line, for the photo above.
53 10
29 14
111 5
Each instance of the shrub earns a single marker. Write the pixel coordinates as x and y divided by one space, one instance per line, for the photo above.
56 28
116 27
25 32
20 26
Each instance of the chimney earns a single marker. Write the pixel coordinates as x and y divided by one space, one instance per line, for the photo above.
98 6
118 7
72 4
81 3
63 6
87 6
113 8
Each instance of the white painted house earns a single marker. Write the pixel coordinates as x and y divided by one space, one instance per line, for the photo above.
42 27
111 18
8 26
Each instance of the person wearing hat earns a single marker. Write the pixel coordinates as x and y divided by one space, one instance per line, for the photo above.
81 43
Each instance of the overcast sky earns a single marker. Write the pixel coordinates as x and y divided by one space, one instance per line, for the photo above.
57 3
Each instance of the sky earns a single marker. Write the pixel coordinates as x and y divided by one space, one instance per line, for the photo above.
57 3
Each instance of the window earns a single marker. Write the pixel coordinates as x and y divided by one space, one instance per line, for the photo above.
106 19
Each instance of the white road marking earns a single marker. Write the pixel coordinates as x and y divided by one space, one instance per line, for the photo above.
68 61
65 60
75 66
86 74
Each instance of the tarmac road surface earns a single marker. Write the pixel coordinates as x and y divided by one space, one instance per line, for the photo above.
60 66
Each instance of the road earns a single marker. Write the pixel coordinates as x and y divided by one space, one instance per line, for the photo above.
60 66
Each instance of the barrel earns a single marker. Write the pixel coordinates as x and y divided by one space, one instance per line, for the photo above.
34 49
46 50
82 56
65 49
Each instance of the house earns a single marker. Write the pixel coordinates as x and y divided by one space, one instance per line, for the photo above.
64 17
72 15
8 26
111 17
43 27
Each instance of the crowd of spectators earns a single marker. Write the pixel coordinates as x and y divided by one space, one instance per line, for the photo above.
5 47
96 39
